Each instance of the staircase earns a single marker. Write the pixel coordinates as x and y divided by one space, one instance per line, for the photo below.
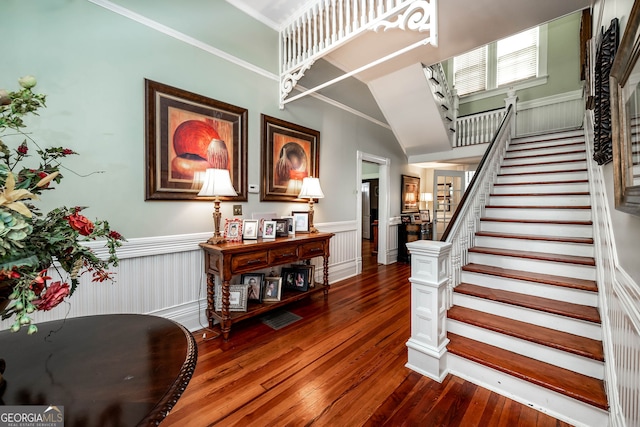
524 320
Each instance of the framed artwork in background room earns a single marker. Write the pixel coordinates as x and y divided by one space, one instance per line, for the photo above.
410 194
186 134
290 153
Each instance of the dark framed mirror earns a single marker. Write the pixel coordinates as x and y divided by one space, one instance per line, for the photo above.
625 115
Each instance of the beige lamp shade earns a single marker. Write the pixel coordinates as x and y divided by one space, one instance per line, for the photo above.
217 182
426 197
311 189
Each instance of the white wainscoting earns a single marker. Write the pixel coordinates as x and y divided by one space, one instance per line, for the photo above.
550 114
164 276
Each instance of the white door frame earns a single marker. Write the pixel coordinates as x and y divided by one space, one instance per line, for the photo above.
384 207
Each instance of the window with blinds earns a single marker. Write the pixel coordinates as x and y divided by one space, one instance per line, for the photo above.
506 61
470 71
517 57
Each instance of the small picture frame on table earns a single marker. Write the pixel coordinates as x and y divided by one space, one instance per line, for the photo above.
415 218
296 279
425 216
254 281
272 289
301 220
233 230
282 227
237 297
311 272
405 219
291 225
250 229
269 230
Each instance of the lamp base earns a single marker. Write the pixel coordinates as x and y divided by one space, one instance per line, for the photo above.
216 240
313 230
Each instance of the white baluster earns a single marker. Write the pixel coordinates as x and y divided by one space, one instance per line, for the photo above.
371 11
347 9
334 24
327 42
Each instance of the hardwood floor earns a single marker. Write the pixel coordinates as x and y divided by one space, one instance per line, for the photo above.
342 365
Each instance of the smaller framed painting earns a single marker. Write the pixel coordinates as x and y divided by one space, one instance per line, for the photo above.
272 289
250 229
425 216
254 282
269 230
296 279
291 225
301 220
233 229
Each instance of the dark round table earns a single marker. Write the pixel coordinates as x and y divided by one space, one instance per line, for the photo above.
106 370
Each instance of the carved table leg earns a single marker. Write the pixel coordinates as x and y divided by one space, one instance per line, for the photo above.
325 268
210 298
225 324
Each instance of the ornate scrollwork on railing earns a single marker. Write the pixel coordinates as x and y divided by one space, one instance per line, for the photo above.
419 16
289 81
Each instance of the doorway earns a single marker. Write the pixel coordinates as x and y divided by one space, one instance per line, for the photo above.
366 161
448 188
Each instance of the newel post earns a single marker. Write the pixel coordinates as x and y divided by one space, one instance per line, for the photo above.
427 347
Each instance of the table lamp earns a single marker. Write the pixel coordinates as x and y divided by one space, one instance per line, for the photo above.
311 190
216 183
426 198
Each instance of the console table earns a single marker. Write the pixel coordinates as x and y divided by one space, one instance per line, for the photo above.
233 258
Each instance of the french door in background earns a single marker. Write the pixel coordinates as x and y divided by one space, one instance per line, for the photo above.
449 186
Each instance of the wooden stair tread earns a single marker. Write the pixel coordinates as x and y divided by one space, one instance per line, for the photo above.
562 239
575 344
537 207
572 181
575 193
541 172
547 279
569 259
577 386
567 309
538 221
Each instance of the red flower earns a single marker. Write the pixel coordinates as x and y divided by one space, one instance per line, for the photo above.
38 283
115 235
101 276
53 296
80 223
23 149
68 151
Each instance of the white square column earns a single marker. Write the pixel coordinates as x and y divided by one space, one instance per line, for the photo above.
430 266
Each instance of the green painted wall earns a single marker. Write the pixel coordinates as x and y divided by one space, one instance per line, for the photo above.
563 67
92 62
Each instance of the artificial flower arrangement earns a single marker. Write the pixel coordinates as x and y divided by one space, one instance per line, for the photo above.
32 242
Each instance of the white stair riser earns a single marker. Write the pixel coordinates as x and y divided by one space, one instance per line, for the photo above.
547 401
537 228
546 200
563 248
543 157
537 149
558 293
544 167
536 317
542 177
563 359
538 214
532 141
577 271
541 188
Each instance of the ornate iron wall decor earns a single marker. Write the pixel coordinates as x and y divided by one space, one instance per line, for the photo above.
602 112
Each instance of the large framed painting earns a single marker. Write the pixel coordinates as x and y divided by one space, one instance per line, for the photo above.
289 154
187 133
410 194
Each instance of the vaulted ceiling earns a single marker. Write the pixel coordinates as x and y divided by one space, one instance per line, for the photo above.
462 25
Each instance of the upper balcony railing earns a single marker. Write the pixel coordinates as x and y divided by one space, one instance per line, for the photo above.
329 24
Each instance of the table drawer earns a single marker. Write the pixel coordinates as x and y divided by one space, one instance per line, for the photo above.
248 262
310 250
283 255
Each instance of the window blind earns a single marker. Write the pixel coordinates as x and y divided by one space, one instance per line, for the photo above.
470 71
517 57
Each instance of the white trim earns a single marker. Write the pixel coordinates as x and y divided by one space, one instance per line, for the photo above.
503 90
550 100
242 6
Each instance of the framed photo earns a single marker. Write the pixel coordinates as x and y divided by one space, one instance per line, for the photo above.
233 229
410 194
289 153
301 220
269 231
291 225
262 217
296 279
312 270
187 133
254 281
425 216
272 289
282 227
250 229
237 297
405 219
415 218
